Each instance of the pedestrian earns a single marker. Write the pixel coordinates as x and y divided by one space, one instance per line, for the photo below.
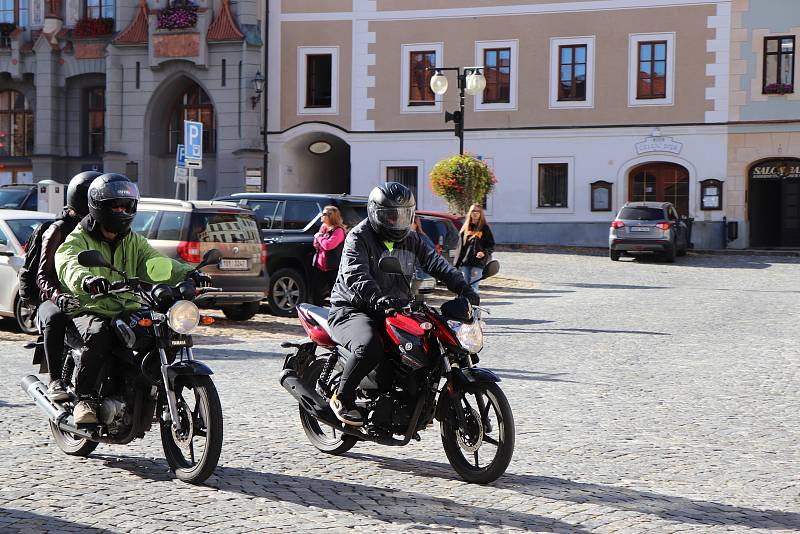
475 247
328 243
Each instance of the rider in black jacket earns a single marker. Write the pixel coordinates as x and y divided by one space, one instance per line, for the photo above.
362 293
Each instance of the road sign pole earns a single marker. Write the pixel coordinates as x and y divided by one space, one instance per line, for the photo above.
191 186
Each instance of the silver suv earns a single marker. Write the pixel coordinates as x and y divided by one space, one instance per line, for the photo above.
186 230
648 227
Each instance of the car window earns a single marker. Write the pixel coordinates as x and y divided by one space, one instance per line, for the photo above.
352 214
23 228
31 203
434 229
641 213
224 228
3 239
266 212
12 198
298 213
143 222
170 228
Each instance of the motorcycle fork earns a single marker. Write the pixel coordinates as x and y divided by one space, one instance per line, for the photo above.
454 395
172 401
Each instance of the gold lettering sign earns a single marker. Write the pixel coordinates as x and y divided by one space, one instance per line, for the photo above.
776 170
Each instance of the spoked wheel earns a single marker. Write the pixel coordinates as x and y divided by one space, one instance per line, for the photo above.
323 437
480 452
70 444
192 450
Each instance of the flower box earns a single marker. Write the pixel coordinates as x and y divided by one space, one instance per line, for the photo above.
88 27
181 14
778 89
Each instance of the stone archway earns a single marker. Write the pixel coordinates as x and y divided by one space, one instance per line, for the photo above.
662 182
315 162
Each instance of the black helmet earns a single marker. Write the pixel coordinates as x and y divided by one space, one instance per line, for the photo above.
391 210
78 192
109 191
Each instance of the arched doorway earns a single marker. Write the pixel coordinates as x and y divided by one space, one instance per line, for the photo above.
315 162
660 181
774 203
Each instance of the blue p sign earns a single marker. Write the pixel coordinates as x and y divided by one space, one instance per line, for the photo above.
180 156
193 139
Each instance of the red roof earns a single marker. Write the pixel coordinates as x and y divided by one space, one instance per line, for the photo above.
137 30
224 28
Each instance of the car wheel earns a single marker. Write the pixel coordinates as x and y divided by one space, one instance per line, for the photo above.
25 316
614 254
287 289
241 312
669 254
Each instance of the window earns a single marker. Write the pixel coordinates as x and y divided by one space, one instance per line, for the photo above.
299 214
661 182
96 117
15 12
143 222
553 185
778 65
171 226
193 105
16 125
498 75
4 239
96 9
572 72
406 175
419 76
652 79
601 195
266 212
318 81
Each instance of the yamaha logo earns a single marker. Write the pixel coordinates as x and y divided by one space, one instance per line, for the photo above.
409 346
235 250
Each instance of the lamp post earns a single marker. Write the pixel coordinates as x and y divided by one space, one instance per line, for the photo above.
470 81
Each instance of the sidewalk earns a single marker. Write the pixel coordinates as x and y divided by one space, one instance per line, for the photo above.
602 251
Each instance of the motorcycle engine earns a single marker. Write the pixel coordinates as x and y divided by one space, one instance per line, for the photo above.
113 413
391 413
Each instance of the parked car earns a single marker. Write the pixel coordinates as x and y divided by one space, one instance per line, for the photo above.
16 227
187 230
648 227
18 197
443 230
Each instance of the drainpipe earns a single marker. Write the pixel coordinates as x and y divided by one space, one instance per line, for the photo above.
265 106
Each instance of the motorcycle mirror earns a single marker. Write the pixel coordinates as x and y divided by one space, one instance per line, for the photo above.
211 257
390 265
491 269
92 258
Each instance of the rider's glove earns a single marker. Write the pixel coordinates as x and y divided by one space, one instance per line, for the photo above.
67 303
472 296
384 304
96 285
200 279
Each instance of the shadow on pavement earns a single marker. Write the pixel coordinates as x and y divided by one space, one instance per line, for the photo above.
566 331
27 522
4 404
233 354
381 504
519 322
613 286
521 374
667 507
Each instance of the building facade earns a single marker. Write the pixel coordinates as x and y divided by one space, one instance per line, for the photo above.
106 84
588 104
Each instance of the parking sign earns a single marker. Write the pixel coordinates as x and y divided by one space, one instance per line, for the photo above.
180 156
193 140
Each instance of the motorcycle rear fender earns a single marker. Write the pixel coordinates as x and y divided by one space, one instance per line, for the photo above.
187 368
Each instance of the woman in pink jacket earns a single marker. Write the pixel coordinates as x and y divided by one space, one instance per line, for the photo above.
328 242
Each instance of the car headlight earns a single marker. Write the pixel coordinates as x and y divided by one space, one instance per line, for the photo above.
470 335
183 317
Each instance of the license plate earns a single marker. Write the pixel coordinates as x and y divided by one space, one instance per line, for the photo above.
227 264
640 229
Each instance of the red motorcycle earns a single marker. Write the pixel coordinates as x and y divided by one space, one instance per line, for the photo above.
405 393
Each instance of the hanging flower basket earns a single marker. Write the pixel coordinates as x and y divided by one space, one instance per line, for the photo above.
88 27
461 181
778 89
179 15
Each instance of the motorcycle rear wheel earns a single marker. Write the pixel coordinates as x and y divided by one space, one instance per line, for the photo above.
495 431
71 445
202 414
322 436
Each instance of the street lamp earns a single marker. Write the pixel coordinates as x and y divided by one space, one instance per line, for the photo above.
470 81
258 88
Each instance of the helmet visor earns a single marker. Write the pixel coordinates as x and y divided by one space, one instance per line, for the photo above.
116 190
395 218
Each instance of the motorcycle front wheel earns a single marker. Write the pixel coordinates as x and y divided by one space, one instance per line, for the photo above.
480 452
323 437
193 449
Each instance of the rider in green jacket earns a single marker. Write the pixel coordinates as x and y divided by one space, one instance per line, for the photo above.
112 206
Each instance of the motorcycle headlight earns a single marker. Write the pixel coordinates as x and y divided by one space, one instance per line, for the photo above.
183 317
470 335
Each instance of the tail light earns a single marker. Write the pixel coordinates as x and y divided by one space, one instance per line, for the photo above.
617 224
263 253
189 251
663 226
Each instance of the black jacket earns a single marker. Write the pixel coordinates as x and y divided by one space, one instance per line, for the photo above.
56 233
360 283
467 250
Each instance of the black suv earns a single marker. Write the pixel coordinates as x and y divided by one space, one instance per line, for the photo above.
19 197
288 223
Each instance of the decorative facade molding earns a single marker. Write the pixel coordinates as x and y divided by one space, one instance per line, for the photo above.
224 27
137 31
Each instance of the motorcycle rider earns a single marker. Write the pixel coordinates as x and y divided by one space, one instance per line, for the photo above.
52 314
363 294
112 201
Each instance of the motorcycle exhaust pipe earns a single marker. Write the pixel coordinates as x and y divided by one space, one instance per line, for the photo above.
37 391
306 396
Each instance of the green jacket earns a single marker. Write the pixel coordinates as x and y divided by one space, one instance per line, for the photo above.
133 255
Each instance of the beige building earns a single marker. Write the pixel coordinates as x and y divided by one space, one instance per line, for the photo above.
588 104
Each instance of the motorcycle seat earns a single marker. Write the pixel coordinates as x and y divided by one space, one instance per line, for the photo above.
320 316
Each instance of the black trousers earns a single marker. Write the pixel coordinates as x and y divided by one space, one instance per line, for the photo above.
53 325
361 335
321 285
95 332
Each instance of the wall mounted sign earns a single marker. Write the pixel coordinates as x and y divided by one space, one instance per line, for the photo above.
659 144
711 194
601 195
776 170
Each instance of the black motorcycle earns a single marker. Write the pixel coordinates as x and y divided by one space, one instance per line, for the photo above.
429 372
150 375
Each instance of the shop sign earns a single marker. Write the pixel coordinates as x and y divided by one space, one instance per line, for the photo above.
659 144
776 170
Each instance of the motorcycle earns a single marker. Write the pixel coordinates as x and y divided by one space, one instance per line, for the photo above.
151 375
404 394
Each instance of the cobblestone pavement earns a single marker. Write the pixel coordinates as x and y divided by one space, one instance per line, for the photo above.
648 398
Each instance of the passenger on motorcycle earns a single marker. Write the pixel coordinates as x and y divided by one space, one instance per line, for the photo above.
56 304
363 294
112 206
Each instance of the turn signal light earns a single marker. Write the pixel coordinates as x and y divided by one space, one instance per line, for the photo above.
207 320
663 226
617 224
146 323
